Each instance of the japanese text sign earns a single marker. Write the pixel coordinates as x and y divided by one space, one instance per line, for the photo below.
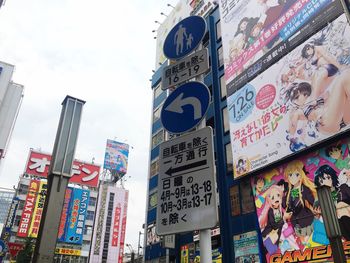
290 107
186 184
38 210
24 224
83 173
63 221
185 69
116 226
78 211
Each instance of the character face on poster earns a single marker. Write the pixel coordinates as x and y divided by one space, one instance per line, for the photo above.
288 209
299 101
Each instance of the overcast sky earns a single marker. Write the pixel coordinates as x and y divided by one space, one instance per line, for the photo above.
102 52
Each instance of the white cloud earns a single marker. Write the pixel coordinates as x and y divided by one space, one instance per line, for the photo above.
99 51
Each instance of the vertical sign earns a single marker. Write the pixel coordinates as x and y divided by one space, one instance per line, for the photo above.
76 222
64 215
38 210
24 224
122 234
116 225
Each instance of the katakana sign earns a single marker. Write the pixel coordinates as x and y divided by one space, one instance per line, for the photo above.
186 184
82 173
185 69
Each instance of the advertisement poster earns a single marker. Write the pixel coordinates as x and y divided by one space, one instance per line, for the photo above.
24 224
82 173
38 210
296 103
76 221
116 157
246 247
251 29
288 209
63 221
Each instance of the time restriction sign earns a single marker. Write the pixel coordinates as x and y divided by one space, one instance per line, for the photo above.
186 184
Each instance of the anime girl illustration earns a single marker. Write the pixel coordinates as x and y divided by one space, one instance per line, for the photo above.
277 233
326 175
261 185
298 200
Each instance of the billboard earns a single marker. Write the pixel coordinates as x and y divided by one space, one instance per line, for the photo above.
63 221
24 224
38 210
83 173
77 213
253 29
288 209
116 157
288 107
9 108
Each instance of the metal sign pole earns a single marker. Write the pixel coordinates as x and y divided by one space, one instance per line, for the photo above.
59 174
205 246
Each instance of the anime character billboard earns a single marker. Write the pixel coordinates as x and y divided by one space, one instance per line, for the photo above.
288 209
254 28
116 157
299 101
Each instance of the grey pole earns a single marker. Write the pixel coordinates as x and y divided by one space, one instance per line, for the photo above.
59 174
331 223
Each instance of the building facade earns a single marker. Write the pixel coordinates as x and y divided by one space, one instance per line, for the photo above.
6 196
245 185
78 214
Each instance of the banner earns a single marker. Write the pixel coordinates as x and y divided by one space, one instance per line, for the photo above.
116 157
63 221
38 210
296 103
24 224
116 225
251 29
76 220
67 251
288 209
123 228
246 247
82 173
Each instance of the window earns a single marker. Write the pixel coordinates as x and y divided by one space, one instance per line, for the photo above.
92 201
154 168
223 87
90 215
220 56
23 189
156 114
88 230
218 30
234 198
20 204
158 138
229 158
225 120
152 202
17 220
247 197
157 91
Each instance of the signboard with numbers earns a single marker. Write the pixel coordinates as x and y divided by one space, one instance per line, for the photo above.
186 184
185 69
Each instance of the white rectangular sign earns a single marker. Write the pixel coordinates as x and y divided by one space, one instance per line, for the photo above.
186 184
185 69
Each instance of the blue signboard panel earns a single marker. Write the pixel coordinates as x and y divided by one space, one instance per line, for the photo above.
78 211
184 37
185 107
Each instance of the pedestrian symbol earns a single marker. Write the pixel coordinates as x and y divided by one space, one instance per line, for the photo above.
184 37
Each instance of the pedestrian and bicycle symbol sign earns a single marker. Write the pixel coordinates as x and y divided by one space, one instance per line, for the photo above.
185 107
184 37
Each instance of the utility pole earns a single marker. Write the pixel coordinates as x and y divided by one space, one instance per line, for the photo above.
59 174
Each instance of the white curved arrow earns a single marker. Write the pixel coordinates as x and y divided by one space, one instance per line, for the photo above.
177 105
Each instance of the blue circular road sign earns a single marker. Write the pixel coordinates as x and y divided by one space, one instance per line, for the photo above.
185 107
184 37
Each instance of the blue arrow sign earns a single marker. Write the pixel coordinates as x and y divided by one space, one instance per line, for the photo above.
185 107
184 37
